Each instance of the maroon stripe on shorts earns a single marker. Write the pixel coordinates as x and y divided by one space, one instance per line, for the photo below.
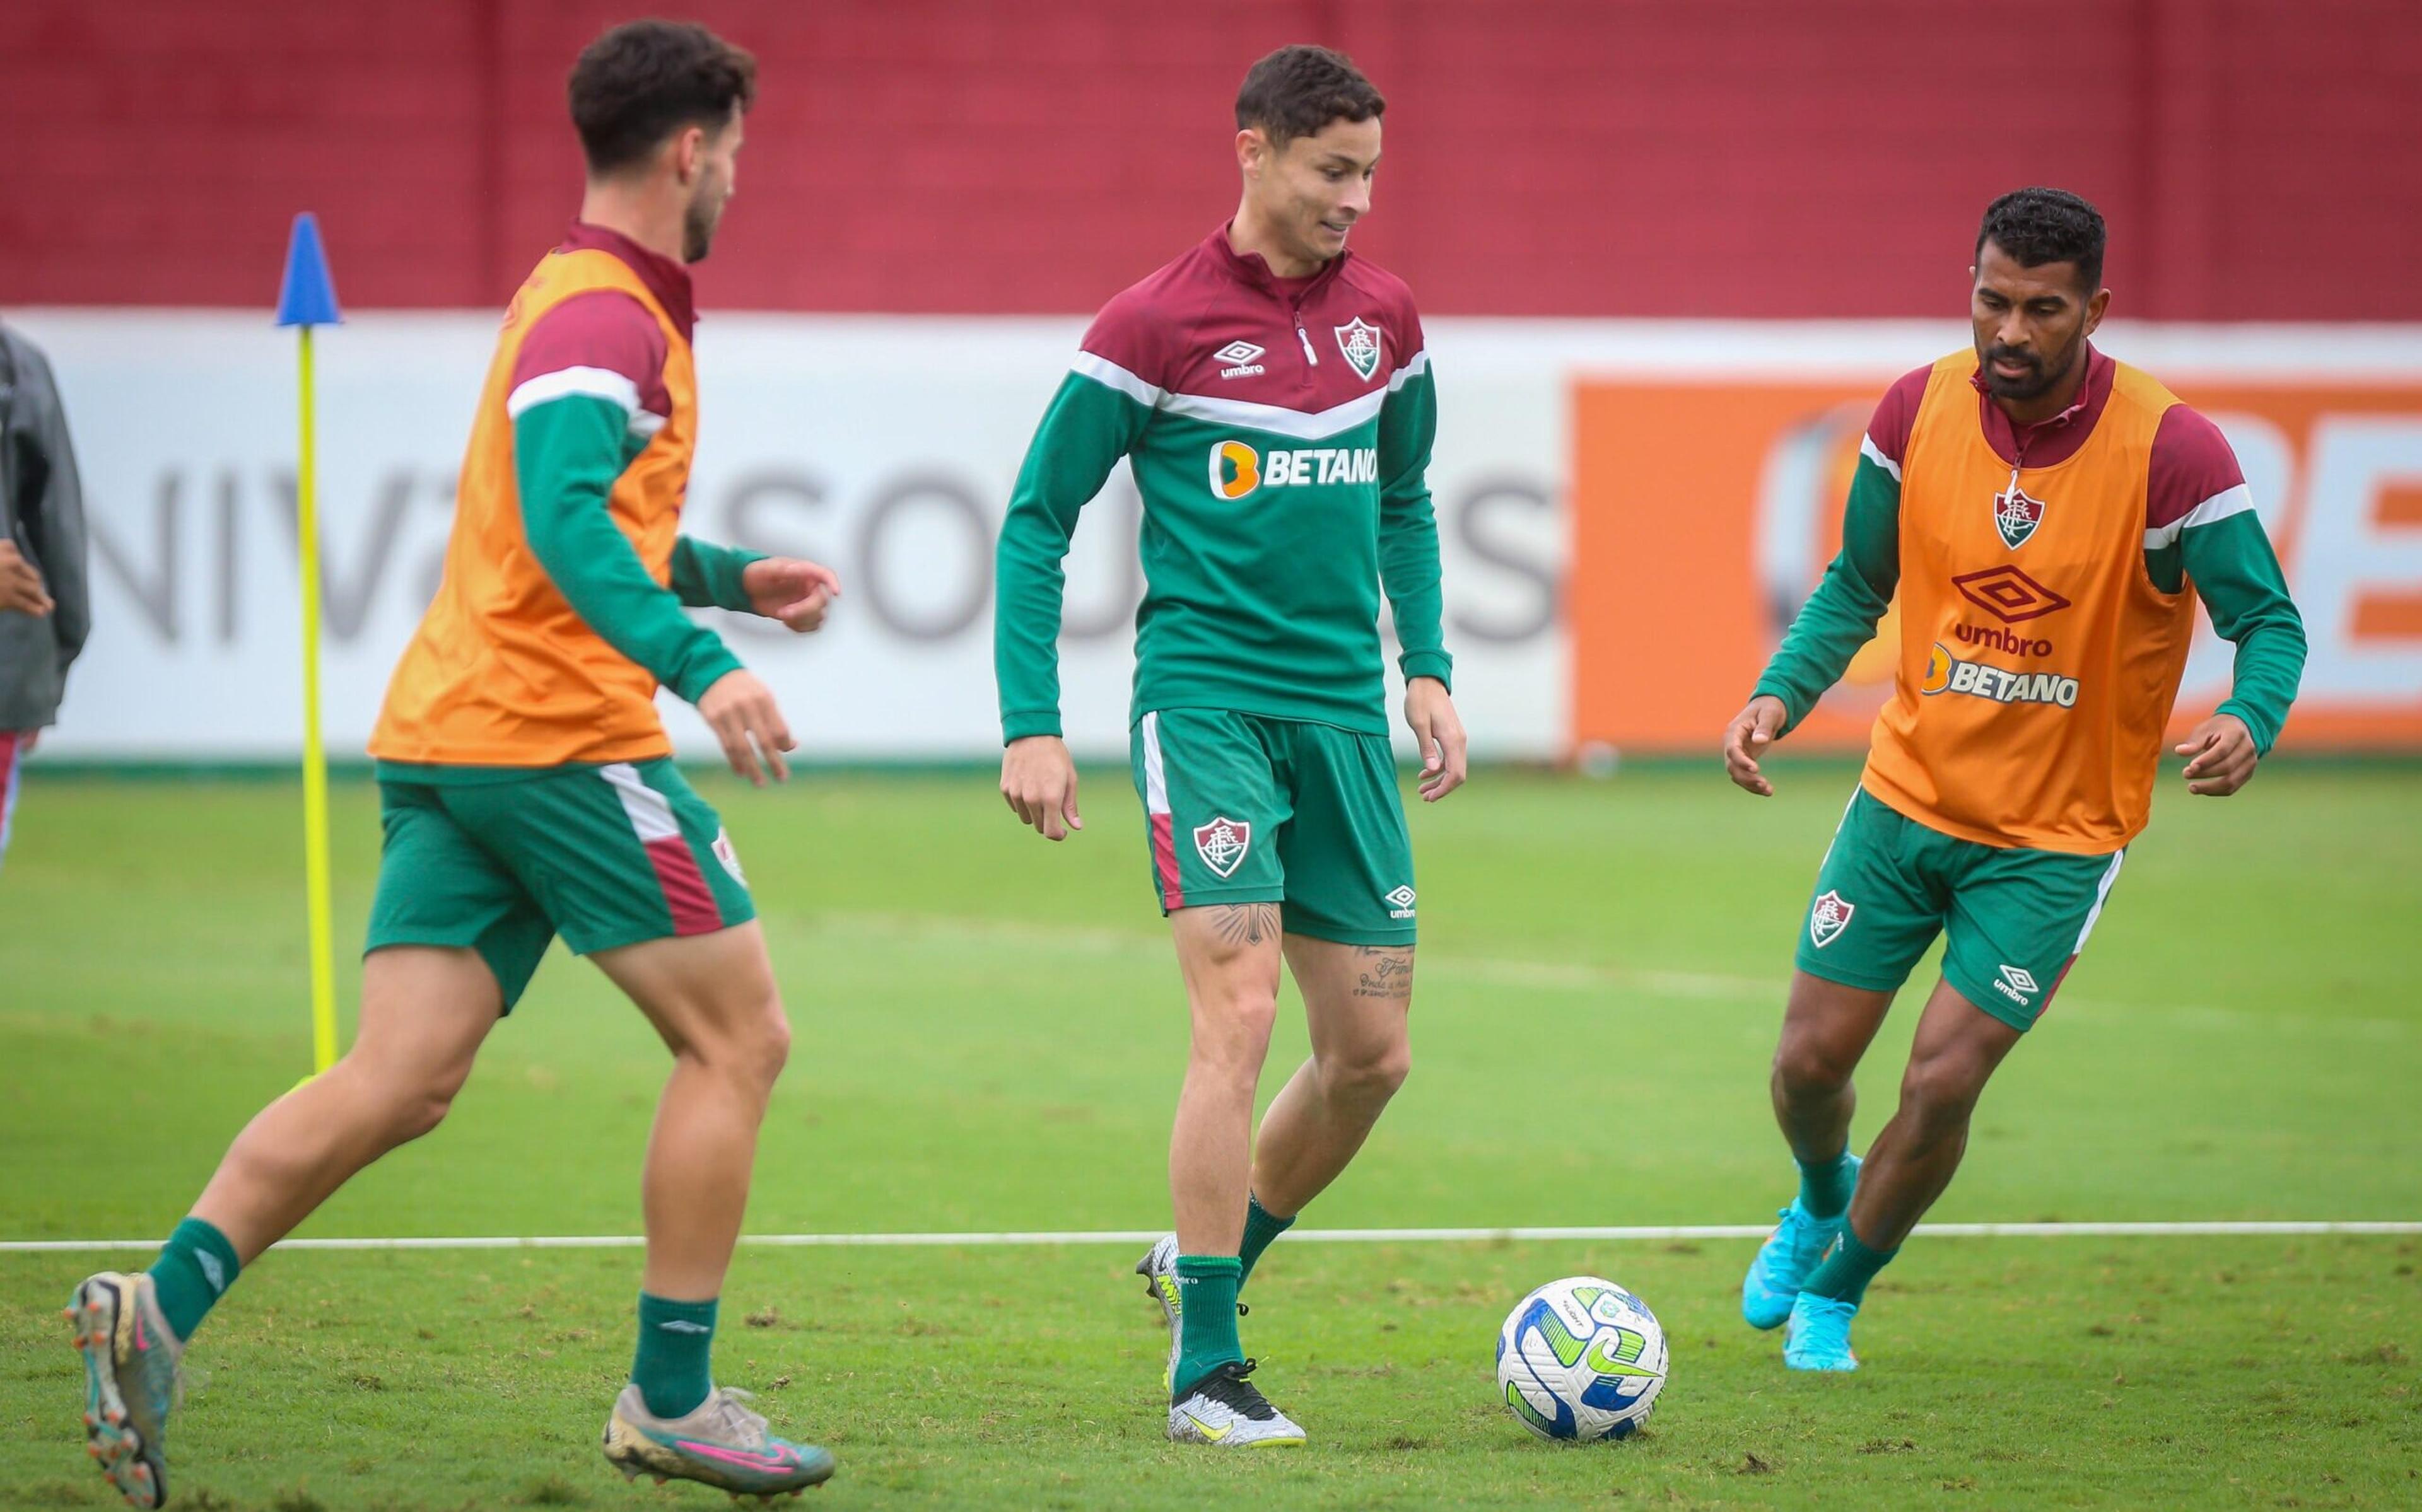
685 889
1164 860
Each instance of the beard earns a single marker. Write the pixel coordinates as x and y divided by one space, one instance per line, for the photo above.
697 229
2038 379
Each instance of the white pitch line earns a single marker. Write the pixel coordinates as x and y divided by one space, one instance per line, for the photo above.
1316 1235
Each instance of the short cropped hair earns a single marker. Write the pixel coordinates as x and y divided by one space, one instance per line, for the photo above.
645 80
2041 226
1297 91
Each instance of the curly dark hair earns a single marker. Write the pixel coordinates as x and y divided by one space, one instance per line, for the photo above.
645 80
2041 226
1297 91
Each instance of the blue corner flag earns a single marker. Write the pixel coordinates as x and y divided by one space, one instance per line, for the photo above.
308 296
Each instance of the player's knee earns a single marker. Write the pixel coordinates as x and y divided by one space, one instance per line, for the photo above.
1233 1026
422 1112
397 1101
772 1048
1939 1091
1371 1074
414 1106
1806 1067
753 1045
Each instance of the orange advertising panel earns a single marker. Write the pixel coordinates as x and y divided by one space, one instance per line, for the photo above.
1704 512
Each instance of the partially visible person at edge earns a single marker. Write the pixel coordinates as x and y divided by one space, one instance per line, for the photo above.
44 611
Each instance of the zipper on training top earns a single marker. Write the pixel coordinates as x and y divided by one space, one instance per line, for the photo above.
1305 337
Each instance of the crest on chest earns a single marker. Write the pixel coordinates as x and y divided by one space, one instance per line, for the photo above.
2016 514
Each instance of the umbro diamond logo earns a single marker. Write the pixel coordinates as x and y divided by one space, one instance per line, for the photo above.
1400 903
2017 984
1240 359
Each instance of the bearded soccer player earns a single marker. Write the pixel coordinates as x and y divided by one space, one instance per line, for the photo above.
1273 393
528 792
2050 518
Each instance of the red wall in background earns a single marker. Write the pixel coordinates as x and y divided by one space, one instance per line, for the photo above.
2259 159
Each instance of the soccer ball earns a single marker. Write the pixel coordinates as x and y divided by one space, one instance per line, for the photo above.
1581 1358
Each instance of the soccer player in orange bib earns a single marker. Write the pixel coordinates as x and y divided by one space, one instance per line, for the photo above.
528 792
2048 516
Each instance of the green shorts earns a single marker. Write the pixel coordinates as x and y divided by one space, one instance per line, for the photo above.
1243 808
503 861
2013 920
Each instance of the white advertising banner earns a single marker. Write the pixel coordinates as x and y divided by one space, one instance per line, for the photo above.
884 446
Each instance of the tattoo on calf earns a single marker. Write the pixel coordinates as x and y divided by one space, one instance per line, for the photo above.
1387 973
1246 923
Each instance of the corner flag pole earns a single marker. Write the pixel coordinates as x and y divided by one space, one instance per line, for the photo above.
307 298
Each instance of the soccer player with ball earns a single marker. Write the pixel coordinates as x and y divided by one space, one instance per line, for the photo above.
1272 392
2049 518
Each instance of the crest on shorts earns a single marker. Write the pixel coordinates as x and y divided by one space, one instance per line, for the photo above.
1222 844
1359 341
1829 917
2016 515
730 857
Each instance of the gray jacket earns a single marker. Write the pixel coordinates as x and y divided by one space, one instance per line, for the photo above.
41 509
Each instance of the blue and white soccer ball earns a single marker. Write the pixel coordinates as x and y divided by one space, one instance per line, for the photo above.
1581 1358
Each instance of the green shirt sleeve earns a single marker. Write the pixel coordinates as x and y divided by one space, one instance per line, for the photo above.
1088 427
1840 617
707 576
567 453
1409 544
2232 566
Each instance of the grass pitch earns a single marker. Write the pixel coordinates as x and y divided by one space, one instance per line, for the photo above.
990 1035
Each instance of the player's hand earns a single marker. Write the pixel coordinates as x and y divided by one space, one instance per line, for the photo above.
1750 736
2220 756
793 590
20 586
741 713
1439 729
1038 780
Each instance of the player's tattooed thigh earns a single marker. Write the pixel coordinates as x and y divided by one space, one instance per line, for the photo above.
1246 923
1384 972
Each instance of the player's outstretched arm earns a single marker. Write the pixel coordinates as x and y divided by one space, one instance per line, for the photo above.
1038 780
566 456
1750 736
792 590
797 592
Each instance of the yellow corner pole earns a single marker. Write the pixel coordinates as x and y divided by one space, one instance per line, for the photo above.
315 757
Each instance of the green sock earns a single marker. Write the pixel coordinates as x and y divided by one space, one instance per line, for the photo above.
1207 1328
1825 1185
194 1270
1260 1226
1844 1273
675 1340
